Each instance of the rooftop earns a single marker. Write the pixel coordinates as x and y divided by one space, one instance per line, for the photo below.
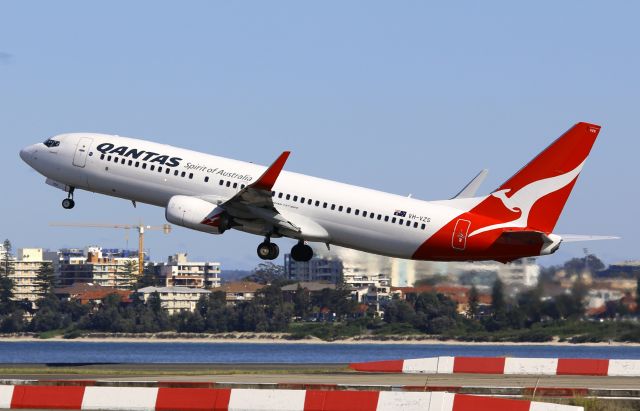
240 287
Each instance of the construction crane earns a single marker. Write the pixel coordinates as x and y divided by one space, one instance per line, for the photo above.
166 228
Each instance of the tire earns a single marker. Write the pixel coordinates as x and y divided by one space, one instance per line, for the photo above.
264 251
301 252
68 204
274 252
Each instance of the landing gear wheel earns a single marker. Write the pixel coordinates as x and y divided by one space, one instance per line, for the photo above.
268 251
301 252
68 203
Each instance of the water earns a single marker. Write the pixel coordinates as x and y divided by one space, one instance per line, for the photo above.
148 352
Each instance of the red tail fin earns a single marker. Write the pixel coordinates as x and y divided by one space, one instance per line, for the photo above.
539 191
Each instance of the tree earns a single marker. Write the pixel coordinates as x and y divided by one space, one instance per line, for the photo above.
474 303
638 295
7 261
302 302
129 273
589 263
497 297
45 278
148 278
266 273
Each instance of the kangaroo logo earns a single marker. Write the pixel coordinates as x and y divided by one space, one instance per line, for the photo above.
524 199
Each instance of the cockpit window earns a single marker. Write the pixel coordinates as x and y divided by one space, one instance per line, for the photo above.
51 143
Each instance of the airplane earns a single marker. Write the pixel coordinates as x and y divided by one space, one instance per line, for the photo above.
215 194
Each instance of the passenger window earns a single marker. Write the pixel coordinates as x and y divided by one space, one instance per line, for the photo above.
175 173
386 218
159 169
167 170
190 175
115 160
348 210
317 203
423 226
206 179
379 216
333 206
295 198
279 195
242 186
372 215
109 158
124 160
324 205
415 225
220 183
152 167
309 201
357 212
302 200
137 164
228 184
288 196
144 166
408 223
183 174
101 156
401 221
393 220
340 208
235 185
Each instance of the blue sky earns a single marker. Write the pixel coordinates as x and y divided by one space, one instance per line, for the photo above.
407 97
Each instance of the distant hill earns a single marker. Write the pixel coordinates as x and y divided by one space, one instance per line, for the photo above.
234 275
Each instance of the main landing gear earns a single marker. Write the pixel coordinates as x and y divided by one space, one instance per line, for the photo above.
301 252
68 202
268 250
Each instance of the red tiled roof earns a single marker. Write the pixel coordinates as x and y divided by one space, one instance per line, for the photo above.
240 287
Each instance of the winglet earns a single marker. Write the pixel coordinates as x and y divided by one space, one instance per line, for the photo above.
269 177
472 187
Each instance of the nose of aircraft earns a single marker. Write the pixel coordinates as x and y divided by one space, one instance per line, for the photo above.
26 154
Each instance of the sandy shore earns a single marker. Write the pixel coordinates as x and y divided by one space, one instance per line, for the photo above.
274 338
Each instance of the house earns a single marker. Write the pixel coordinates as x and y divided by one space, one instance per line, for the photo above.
239 291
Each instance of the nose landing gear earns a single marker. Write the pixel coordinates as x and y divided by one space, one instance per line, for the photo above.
301 252
268 250
68 202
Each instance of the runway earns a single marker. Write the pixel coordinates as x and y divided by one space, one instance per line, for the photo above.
283 374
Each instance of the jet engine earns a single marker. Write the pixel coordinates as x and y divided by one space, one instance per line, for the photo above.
197 214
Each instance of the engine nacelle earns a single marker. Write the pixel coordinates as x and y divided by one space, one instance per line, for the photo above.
201 215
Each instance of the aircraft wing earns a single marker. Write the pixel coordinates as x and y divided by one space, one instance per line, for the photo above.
253 208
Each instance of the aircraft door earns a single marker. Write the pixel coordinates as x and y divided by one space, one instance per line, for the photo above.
80 156
459 238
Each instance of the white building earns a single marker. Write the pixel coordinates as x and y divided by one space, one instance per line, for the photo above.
175 299
107 271
179 272
599 297
371 289
25 272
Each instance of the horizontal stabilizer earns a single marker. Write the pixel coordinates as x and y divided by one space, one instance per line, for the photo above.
572 238
472 187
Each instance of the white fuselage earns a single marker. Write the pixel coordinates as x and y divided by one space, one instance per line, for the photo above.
352 216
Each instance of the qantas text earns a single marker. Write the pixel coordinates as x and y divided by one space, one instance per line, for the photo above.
108 148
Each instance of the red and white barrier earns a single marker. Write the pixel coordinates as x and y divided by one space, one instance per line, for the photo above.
153 398
502 365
